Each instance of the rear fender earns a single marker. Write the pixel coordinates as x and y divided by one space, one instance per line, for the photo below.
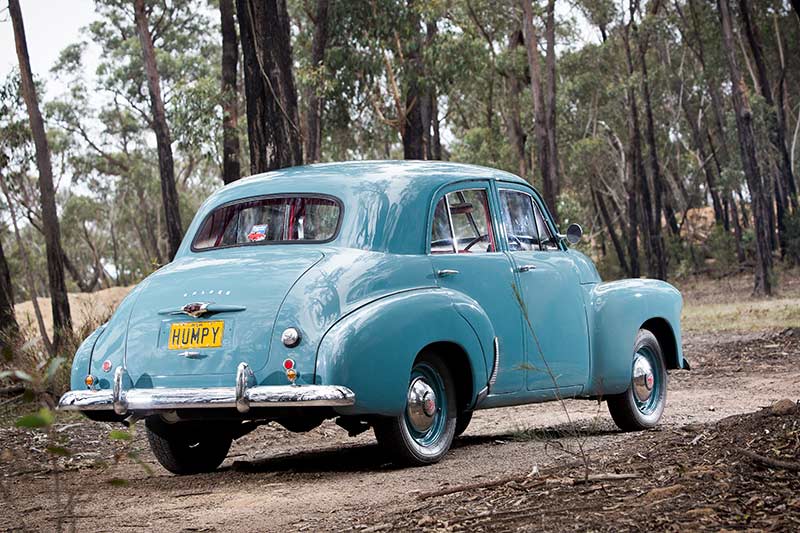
107 343
82 360
371 350
616 312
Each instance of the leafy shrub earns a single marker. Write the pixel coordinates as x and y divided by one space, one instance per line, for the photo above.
792 236
722 249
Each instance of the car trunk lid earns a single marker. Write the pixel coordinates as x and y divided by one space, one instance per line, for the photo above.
204 314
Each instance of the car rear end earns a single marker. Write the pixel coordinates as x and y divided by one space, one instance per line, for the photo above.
194 339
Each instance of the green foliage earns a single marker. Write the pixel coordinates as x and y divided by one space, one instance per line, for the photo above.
722 249
792 235
41 419
119 434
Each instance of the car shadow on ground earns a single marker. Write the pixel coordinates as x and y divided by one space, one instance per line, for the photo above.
348 458
370 457
543 434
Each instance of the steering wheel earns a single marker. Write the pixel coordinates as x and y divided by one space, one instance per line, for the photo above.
475 241
517 241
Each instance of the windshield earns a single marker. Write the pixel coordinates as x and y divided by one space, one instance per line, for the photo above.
284 219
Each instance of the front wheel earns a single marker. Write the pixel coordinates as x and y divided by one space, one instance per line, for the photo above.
424 432
641 406
187 448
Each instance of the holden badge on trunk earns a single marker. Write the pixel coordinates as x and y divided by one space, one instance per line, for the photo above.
195 309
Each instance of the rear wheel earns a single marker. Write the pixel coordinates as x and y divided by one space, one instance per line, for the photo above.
424 432
464 418
186 448
641 406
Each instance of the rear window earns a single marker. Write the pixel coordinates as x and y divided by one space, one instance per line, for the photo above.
284 219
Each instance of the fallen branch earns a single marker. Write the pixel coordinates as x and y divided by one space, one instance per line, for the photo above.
474 486
13 389
605 477
768 461
520 478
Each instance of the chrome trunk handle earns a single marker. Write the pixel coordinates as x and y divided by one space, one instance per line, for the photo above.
446 272
526 268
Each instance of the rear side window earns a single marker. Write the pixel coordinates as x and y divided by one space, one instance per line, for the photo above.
462 224
284 219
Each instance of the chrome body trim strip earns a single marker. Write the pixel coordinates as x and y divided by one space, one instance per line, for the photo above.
496 365
243 396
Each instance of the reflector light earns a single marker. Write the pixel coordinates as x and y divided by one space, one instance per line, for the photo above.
89 381
291 374
290 337
106 365
288 364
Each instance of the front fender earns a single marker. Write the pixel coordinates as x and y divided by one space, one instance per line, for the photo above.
616 312
371 350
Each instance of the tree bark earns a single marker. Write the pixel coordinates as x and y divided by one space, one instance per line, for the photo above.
28 269
618 247
272 118
313 96
639 188
62 320
8 322
550 106
744 126
711 83
514 130
658 259
540 115
436 151
166 166
785 191
699 145
413 129
231 166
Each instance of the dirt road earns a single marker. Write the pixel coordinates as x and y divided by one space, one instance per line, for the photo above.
274 480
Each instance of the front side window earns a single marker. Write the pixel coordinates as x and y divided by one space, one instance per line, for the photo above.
525 226
519 220
266 220
546 238
462 223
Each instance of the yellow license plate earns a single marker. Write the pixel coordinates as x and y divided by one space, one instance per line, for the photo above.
196 335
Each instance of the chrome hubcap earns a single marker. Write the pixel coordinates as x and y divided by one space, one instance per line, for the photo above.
643 378
422 406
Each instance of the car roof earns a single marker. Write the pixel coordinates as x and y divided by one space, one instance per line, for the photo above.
391 173
386 202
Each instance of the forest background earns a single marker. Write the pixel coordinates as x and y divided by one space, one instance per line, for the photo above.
668 129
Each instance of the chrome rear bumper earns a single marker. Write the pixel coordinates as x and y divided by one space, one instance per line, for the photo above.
242 396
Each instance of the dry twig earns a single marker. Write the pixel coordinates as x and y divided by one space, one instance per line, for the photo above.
768 461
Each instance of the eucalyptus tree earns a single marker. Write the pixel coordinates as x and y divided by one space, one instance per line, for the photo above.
744 127
314 92
231 166
8 322
273 124
166 166
62 320
109 123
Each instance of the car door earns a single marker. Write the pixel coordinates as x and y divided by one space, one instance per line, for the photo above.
465 257
556 329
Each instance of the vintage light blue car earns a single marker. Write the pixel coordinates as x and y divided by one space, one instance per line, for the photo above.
400 296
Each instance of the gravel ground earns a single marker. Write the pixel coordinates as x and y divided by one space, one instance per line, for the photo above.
274 480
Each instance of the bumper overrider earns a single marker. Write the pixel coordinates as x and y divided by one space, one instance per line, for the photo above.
243 395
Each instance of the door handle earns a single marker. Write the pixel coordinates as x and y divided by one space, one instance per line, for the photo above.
526 268
446 272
